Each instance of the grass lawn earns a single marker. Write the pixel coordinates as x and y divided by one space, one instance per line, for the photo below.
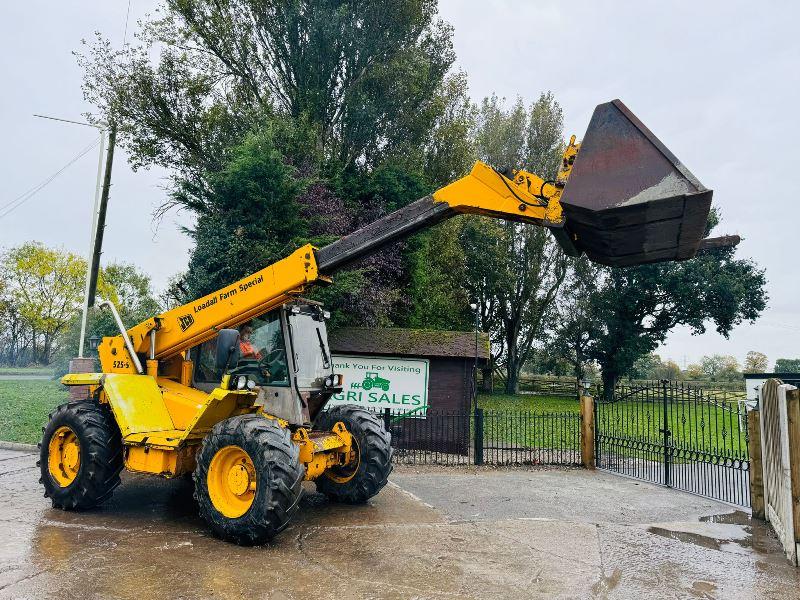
24 407
26 371
528 402
528 421
698 426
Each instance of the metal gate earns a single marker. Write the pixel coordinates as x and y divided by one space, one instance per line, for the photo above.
678 436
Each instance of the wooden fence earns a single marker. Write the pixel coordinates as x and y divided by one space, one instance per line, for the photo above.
568 387
779 407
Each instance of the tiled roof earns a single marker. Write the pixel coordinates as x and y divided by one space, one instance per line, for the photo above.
408 342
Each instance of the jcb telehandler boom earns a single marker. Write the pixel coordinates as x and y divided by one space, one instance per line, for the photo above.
231 386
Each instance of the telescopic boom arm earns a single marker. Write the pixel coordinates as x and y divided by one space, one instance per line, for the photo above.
525 197
620 196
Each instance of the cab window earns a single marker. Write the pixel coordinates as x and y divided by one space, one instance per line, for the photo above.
262 353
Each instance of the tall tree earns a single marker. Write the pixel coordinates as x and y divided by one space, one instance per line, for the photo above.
574 324
437 262
720 367
636 307
755 362
362 75
513 270
45 286
343 93
251 216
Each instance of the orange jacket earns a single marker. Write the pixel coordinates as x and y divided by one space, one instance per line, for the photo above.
246 350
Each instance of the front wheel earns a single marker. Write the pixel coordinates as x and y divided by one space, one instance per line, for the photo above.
80 455
248 479
366 475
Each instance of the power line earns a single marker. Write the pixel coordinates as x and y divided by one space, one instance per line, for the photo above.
66 121
14 204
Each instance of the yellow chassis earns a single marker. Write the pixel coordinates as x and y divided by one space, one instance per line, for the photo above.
163 422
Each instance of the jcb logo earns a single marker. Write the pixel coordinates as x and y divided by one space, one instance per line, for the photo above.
186 321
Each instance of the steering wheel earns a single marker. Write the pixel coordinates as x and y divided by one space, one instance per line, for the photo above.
272 362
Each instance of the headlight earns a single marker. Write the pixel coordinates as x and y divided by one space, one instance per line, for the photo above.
251 384
334 380
241 382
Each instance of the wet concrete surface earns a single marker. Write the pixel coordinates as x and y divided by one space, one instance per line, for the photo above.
432 533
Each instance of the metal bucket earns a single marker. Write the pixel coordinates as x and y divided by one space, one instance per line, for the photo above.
628 199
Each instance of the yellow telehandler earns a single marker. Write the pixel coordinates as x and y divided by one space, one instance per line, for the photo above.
231 387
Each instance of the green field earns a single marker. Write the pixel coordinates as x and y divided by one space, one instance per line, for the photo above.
528 402
529 421
24 407
699 426
46 371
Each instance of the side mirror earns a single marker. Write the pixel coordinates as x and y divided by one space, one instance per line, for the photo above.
227 349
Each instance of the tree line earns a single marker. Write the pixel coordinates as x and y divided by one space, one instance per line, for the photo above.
41 297
283 123
712 368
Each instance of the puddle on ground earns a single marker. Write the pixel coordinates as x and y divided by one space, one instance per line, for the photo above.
732 518
703 589
732 532
690 538
607 583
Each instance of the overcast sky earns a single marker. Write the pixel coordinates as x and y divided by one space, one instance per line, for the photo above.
716 81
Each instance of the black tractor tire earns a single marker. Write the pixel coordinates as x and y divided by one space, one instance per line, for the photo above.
374 452
279 477
100 444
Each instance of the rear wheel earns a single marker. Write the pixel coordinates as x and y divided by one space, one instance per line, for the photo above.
248 479
366 475
80 455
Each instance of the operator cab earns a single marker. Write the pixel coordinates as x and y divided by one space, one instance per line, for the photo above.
285 353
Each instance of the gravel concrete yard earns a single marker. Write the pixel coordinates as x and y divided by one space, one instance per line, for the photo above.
433 533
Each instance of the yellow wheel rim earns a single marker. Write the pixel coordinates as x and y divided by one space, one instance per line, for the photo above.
231 481
64 456
347 472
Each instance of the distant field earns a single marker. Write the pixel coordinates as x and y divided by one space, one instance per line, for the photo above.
26 371
25 406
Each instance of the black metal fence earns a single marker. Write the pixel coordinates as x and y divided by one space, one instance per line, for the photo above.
679 436
485 437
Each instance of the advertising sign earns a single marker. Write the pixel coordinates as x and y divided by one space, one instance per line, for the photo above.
400 384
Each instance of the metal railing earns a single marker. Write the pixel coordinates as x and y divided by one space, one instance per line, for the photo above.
484 437
679 436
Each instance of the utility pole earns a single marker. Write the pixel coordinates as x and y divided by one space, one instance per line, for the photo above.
98 225
95 208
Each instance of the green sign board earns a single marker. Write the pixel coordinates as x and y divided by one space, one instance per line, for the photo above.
400 384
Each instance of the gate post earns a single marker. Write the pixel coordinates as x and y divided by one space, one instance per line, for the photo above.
387 418
756 468
587 431
478 436
666 432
